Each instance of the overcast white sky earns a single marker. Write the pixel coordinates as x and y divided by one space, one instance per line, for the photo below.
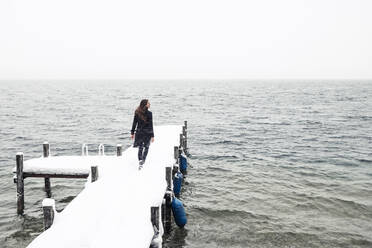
118 39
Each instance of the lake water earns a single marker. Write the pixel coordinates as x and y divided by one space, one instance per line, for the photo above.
274 163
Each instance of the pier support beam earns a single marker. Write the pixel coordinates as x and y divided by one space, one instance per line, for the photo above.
176 153
155 220
168 177
181 141
155 216
119 150
48 211
168 199
20 184
48 189
185 137
168 211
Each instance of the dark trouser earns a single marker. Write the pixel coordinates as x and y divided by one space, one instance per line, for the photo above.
143 153
143 142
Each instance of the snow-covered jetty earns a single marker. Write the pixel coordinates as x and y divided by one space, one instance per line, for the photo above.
120 205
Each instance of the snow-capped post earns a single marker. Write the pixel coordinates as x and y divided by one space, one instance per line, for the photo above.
94 173
168 211
181 140
155 220
168 198
20 184
118 149
155 217
168 177
163 208
185 136
46 153
176 154
48 211
46 149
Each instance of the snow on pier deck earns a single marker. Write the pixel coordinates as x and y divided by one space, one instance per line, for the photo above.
114 211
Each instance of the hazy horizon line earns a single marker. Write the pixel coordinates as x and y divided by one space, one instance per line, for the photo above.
185 79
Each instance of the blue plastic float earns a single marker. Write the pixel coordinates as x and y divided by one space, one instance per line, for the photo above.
179 212
183 163
177 183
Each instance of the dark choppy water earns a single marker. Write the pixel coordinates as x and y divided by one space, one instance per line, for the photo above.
275 164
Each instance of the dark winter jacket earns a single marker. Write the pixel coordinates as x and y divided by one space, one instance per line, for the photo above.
143 127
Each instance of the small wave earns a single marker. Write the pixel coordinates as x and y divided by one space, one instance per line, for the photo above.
217 157
336 206
228 213
218 169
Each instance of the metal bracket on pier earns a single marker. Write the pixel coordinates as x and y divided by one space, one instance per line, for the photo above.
101 150
84 150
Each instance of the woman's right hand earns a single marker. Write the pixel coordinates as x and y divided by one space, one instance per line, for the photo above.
132 136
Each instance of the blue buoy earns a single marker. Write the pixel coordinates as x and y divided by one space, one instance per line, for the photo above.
177 182
183 163
179 212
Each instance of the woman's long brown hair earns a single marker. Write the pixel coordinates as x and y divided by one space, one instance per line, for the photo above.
141 109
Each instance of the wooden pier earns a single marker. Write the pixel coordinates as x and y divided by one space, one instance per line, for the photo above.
116 193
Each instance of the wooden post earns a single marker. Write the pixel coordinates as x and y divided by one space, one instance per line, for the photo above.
118 149
168 177
168 198
168 211
46 149
20 184
48 210
185 141
176 153
47 187
94 173
163 207
185 136
155 217
181 140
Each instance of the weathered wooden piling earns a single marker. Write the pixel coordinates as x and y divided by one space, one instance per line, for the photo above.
168 177
48 189
176 153
181 140
176 157
20 184
185 124
163 207
48 211
119 148
168 211
94 173
184 131
155 217
46 149
168 199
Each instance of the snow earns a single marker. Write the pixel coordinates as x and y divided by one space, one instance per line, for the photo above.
47 202
114 211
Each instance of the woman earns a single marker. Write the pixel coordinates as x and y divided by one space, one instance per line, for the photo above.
144 132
